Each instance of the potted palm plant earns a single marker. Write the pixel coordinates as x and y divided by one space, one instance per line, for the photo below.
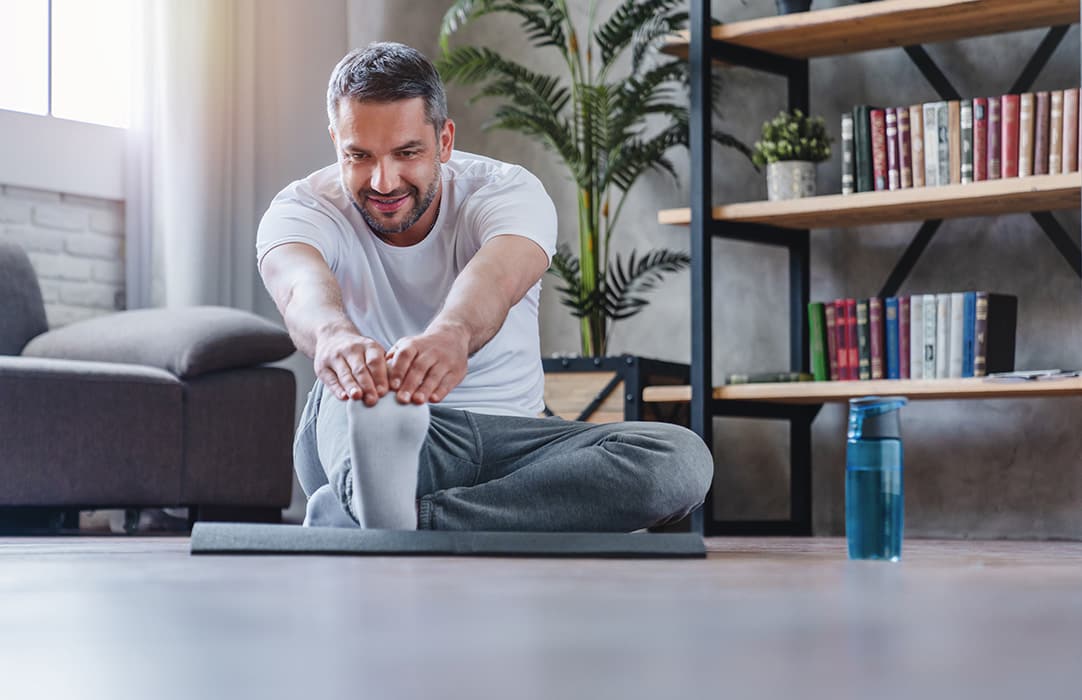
607 118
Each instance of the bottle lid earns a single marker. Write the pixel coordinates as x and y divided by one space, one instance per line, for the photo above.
875 417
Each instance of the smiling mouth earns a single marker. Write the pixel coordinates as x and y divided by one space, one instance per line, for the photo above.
388 205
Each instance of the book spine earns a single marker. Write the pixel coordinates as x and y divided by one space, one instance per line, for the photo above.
851 342
849 181
942 118
841 332
916 137
1026 136
903 337
1069 160
931 146
890 307
980 139
830 329
969 313
956 334
929 336
817 341
1002 318
894 164
879 148
1055 133
905 148
942 335
1008 137
966 116
994 133
954 139
875 337
916 336
862 146
864 354
1040 134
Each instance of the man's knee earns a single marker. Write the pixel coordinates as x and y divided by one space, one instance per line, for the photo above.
683 467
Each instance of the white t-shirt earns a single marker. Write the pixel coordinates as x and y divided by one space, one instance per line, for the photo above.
390 292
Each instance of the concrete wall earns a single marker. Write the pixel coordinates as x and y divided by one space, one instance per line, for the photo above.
1003 468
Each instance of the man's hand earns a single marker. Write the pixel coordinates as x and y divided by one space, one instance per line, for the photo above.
428 366
351 365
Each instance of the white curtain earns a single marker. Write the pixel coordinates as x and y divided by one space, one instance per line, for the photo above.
191 214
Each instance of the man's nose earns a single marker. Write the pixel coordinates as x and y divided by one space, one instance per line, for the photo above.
384 178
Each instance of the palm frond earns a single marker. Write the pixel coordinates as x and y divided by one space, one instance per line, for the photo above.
459 14
625 283
618 31
651 35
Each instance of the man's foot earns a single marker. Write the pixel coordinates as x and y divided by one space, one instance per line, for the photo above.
324 510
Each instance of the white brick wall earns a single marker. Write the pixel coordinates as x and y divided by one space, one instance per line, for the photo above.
76 245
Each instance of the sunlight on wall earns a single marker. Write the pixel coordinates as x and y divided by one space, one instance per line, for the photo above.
24 55
92 53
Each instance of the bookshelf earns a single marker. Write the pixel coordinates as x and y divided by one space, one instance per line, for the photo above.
784 45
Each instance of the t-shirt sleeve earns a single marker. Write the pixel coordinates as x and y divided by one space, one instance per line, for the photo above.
516 205
294 217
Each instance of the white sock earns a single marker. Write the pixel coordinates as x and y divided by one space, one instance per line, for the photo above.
325 510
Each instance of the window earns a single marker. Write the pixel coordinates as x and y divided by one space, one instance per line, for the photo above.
67 58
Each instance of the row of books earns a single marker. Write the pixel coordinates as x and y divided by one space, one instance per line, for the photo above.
960 141
920 336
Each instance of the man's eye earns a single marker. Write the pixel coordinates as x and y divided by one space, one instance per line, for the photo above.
407 154
356 157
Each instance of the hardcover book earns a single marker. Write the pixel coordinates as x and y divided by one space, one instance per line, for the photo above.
852 348
954 140
849 180
841 338
1069 161
942 335
929 336
879 148
864 352
966 112
829 318
875 336
1041 115
994 132
905 148
894 162
1055 133
1008 137
916 138
890 307
995 319
862 147
957 335
980 139
942 118
817 341
931 145
1026 137
903 337
969 313
916 336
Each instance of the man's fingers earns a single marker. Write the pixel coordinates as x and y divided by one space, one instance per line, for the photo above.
413 378
377 368
400 363
330 380
449 382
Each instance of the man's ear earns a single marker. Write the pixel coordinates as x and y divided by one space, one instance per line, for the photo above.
334 137
447 140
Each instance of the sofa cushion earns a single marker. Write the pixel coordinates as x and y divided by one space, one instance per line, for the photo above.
187 341
22 313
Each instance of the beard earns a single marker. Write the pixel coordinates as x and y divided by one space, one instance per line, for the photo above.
420 207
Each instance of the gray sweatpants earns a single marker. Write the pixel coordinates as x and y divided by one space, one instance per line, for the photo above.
485 472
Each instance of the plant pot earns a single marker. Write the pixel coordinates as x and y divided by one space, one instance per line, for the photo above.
786 7
790 179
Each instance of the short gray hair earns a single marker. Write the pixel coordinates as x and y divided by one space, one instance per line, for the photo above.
387 72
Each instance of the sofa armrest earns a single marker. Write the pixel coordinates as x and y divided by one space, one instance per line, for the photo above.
186 341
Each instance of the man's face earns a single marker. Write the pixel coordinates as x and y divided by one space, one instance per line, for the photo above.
390 158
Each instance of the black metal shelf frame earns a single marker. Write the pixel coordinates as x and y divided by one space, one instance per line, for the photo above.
703 50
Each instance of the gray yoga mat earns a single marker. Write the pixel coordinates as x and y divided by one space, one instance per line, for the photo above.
244 538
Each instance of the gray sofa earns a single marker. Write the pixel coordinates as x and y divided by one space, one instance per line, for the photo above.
146 408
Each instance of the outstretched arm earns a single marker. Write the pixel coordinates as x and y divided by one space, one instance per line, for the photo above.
428 366
310 301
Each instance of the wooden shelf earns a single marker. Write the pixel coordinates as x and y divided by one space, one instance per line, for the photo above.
916 389
987 198
879 25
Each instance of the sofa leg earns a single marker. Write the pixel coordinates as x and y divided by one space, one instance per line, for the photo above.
19 520
237 514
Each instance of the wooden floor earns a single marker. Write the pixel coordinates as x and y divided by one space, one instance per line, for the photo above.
87 618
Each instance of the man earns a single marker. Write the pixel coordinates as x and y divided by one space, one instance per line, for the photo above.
410 273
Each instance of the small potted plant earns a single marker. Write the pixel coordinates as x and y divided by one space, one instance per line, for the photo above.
791 145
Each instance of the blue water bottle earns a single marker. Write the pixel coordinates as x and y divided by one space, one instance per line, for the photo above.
874 503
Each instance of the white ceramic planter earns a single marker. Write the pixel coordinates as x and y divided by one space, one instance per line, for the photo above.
790 179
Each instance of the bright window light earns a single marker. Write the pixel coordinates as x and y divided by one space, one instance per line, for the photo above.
24 55
92 48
